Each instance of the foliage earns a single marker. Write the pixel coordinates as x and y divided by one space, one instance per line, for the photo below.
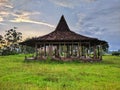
15 74
12 36
105 46
115 53
2 41
28 49
9 43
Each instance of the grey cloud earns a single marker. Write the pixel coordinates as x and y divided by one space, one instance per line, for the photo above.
70 3
94 31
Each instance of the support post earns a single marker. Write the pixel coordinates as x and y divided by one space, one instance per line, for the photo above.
44 50
100 52
78 49
95 54
72 49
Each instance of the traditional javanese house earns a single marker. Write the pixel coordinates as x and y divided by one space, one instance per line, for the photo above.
64 44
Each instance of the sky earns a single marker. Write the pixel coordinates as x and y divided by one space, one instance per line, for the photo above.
94 18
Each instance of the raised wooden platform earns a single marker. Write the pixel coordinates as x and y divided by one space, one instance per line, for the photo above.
88 59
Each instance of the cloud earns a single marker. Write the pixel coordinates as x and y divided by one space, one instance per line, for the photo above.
1 19
70 3
5 4
24 16
80 18
18 20
18 15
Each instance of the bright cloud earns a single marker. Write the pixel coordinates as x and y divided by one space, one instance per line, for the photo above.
24 16
1 19
18 20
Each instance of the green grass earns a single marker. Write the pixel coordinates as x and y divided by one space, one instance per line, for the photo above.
15 74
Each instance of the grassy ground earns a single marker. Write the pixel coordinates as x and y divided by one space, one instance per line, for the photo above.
15 74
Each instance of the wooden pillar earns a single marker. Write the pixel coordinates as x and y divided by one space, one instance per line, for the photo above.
83 51
57 51
78 49
98 49
100 52
44 50
50 50
68 50
64 49
95 54
89 49
40 52
72 49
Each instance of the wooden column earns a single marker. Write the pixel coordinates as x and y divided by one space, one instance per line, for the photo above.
68 51
100 52
57 51
83 52
44 50
98 49
72 49
78 49
64 49
50 50
95 54
89 49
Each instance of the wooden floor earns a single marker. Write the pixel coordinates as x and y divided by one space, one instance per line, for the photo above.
90 59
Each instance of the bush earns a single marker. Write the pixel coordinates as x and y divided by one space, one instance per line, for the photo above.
115 53
7 51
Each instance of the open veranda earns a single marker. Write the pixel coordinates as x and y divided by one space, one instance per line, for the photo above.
16 74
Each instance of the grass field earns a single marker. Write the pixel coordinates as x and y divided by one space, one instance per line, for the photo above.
15 74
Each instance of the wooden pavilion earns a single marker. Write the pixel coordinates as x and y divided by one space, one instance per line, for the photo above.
64 44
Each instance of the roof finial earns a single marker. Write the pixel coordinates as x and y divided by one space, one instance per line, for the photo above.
62 25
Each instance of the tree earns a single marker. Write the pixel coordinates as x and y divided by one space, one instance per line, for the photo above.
105 47
12 36
2 41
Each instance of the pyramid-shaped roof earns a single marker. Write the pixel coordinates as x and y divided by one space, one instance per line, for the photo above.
62 32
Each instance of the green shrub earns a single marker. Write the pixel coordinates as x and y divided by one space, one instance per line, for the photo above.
115 53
